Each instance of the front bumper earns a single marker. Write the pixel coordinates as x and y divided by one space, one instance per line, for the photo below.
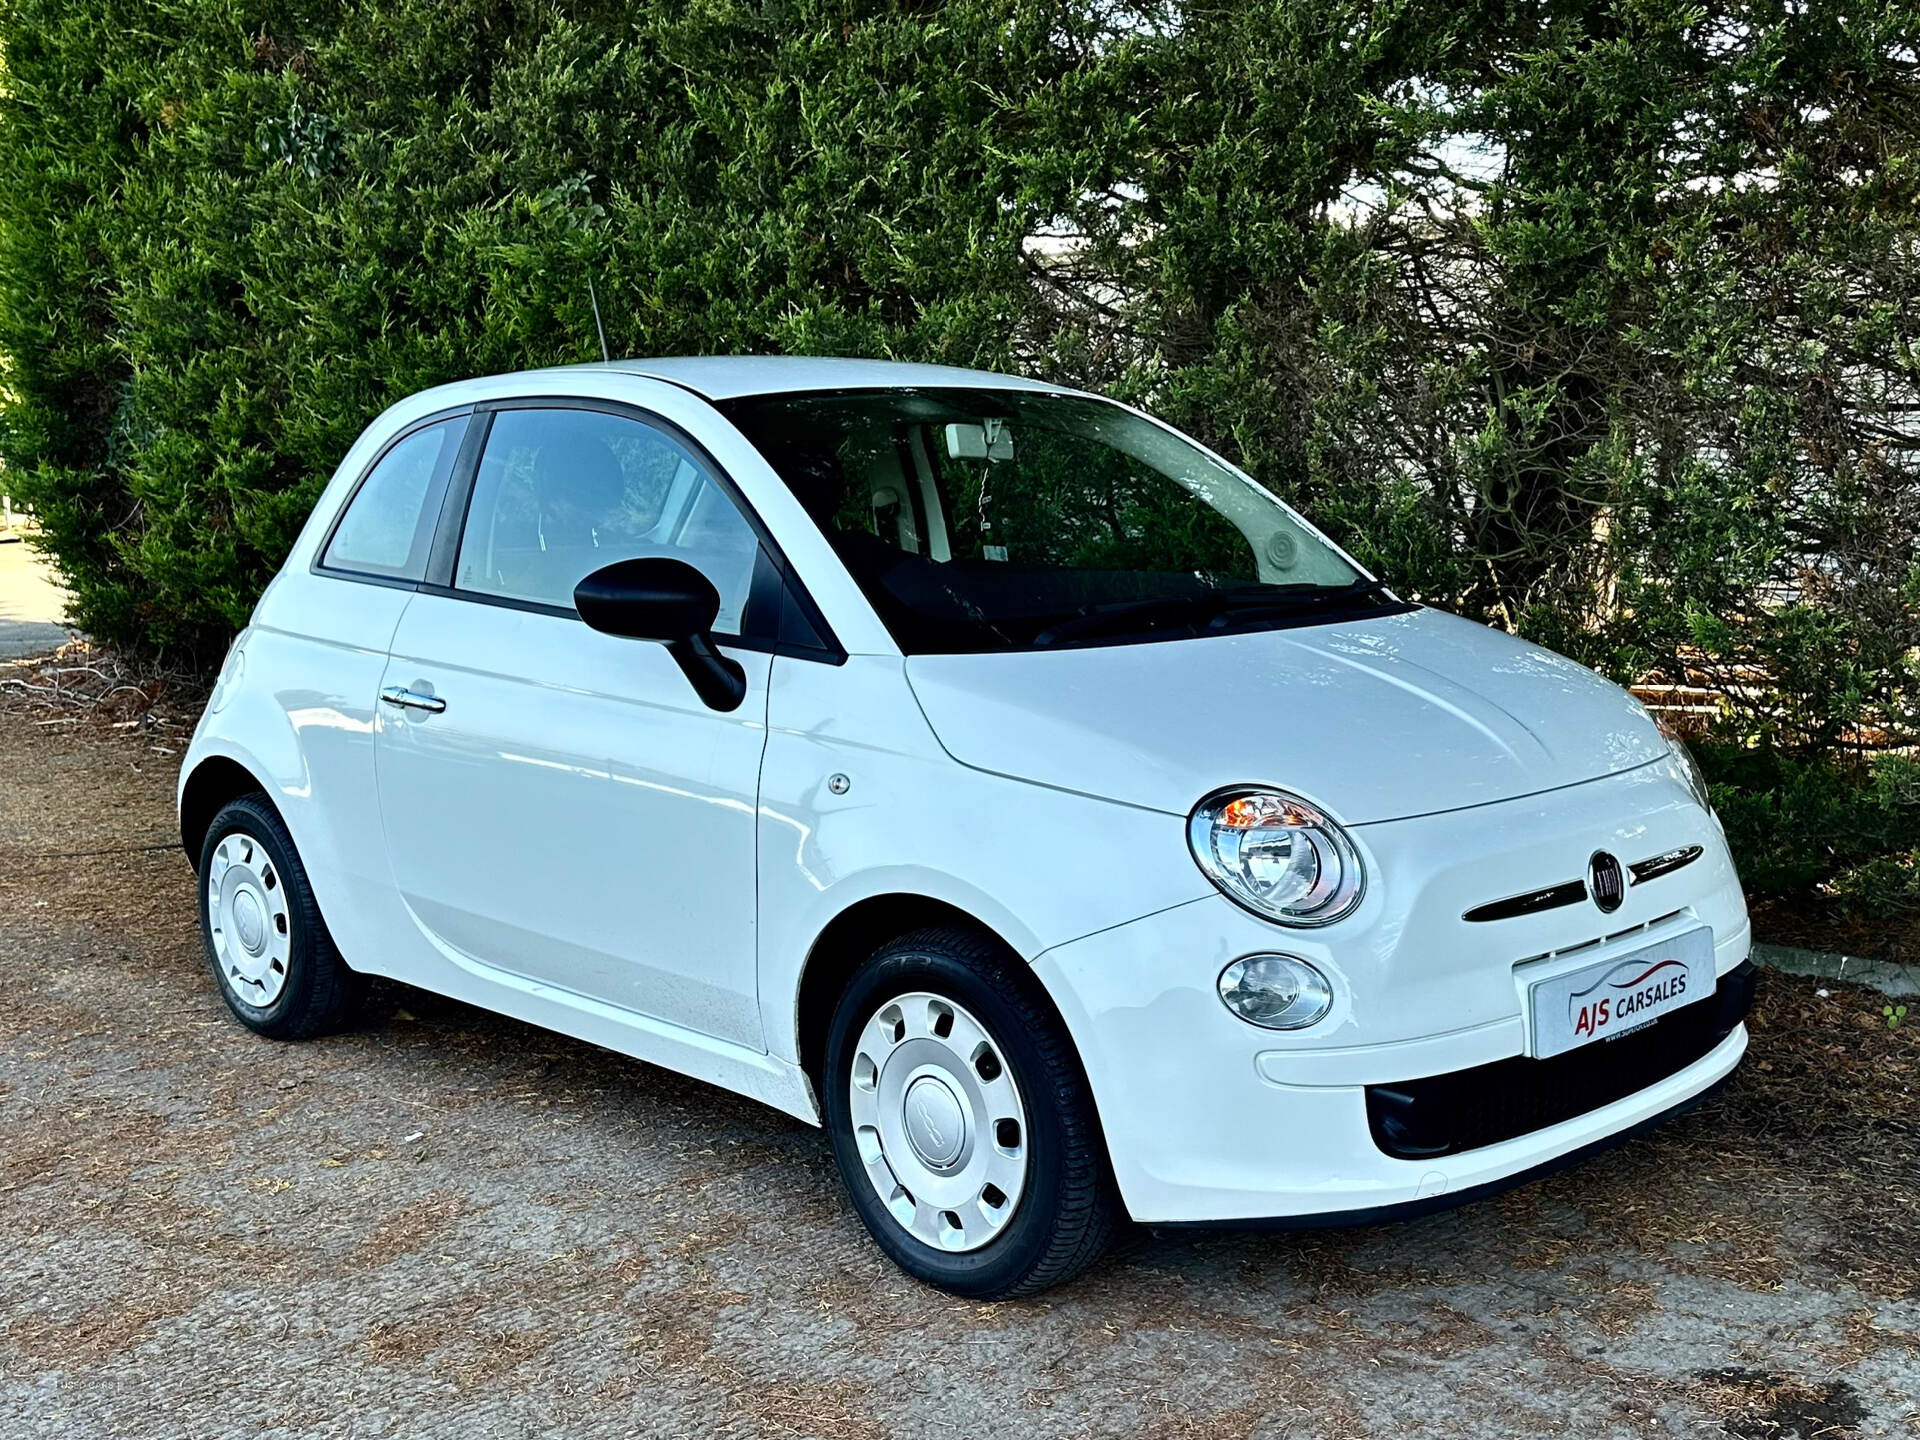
1211 1120
1450 1199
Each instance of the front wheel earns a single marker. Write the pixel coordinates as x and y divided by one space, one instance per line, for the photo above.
270 951
962 1122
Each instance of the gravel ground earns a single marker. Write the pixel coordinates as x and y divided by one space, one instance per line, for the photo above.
448 1224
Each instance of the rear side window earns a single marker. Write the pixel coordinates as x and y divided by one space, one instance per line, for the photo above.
388 528
561 493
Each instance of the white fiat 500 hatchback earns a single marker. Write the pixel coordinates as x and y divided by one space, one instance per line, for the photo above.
980 769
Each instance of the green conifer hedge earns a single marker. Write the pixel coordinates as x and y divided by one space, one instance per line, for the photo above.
1594 320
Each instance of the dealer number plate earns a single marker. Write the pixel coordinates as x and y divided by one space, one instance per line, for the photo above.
1613 996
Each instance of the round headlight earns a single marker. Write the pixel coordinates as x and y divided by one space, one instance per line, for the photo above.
1277 992
1277 855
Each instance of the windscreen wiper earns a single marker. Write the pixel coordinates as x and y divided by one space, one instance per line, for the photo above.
1120 617
1214 610
1243 608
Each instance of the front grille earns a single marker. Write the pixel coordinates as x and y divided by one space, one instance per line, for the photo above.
1466 1109
1607 891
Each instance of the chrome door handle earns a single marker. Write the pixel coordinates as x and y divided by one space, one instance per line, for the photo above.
412 699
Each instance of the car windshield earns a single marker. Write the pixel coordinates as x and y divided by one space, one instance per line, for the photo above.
979 519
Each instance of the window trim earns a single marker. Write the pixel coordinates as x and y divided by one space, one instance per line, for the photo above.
771 574
369 577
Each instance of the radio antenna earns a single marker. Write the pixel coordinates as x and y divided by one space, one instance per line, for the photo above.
601 330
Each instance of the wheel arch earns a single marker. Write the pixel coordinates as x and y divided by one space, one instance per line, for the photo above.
209 786
846 941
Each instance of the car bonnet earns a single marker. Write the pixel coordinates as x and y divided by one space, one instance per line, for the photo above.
1375 719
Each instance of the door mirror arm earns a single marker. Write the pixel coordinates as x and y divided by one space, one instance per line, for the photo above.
667 601
720 682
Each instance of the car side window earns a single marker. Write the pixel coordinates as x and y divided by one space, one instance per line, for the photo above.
388 526
560 493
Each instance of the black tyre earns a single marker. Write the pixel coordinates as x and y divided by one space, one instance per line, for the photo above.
962 1122
269 950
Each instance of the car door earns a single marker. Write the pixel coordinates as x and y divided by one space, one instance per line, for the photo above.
561 809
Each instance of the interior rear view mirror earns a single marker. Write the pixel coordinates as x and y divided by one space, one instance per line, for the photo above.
988 440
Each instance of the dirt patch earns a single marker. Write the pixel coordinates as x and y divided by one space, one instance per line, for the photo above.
1759 1406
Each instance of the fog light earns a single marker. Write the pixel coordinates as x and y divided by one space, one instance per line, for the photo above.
1277 992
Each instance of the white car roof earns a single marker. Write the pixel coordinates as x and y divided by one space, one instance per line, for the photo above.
723 377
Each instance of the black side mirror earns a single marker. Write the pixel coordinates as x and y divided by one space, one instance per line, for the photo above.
655 598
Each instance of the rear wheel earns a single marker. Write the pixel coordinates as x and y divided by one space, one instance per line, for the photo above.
962 1122
270 952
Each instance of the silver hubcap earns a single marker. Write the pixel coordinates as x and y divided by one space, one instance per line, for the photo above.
247 913
939 1123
